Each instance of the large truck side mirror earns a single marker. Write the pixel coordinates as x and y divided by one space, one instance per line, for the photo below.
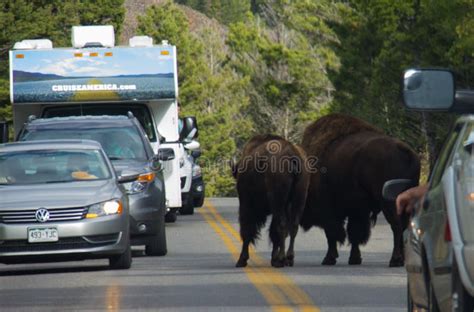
190 129
3 131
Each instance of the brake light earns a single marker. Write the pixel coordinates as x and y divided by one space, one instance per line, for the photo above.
447 232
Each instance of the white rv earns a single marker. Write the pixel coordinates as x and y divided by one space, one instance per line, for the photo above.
95 77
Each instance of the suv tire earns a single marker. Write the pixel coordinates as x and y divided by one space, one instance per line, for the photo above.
157 245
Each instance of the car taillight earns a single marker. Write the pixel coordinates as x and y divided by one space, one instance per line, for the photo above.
447 232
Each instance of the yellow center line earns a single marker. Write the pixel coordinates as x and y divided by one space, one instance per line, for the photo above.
297 295
271 295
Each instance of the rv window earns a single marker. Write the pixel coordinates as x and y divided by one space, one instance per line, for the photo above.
140 111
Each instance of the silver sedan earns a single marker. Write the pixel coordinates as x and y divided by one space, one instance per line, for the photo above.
61 200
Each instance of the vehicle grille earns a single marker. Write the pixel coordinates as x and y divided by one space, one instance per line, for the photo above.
61 244
55 215
183 182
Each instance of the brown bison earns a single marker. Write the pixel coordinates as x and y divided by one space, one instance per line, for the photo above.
271 179
354 161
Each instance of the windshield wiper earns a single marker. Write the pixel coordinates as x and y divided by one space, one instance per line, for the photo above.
59 181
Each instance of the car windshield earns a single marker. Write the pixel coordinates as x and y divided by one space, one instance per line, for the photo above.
465 184
52 166
118 143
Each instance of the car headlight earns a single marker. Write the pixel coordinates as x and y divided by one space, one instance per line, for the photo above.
197 170
140 184
110 207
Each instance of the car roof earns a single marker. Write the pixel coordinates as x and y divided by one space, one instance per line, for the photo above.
81 122
50 144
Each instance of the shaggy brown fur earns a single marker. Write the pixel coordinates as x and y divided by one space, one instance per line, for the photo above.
271 179
354 161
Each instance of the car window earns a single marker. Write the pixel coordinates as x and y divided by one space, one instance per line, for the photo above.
465 184
118 143
51 166
140 111
443 158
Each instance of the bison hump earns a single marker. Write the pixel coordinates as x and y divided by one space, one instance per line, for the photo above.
319 135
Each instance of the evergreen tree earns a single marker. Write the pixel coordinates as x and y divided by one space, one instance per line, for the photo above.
208 89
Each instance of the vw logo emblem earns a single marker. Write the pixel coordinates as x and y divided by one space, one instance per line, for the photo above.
42 215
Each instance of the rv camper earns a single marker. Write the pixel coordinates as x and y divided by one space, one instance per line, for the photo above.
95 77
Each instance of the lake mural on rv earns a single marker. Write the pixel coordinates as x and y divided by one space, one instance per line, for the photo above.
117 74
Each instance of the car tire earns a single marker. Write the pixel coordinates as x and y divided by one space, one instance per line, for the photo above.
198 202
187 208
157 245
464 302
171 217
122 261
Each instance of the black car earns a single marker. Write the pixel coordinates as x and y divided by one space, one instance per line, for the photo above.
128 148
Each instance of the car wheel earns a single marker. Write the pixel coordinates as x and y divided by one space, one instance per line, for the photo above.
171 217
122 261
198 202
157 245
187 208
462 301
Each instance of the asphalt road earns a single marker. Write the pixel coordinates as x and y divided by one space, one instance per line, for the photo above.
198 274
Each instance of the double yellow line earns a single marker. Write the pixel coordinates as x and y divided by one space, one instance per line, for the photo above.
280 292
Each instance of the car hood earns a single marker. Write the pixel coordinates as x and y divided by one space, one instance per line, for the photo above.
130 164
57 195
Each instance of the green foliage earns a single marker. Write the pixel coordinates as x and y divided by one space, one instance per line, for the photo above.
209 89
285 56
381 38
225 11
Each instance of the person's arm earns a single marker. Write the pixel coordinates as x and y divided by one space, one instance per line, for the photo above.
406 201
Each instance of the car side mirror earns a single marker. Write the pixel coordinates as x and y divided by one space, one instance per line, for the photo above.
428 89
190 129
165 154
3 132
392 188
193 145
127 176
196 153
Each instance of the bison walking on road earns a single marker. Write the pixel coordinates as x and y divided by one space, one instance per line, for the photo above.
354 161
271 179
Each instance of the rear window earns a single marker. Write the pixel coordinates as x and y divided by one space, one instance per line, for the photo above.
140 111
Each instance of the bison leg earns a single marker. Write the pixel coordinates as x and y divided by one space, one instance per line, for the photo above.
333 235
395 221
278 235
244 255
290 254
358 232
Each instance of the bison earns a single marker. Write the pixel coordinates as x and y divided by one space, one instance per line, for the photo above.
271 179
354 161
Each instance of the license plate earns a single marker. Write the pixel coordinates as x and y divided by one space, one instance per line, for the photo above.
41 235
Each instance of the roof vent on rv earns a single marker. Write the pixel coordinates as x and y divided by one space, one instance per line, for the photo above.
93 36
141 41
33 44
